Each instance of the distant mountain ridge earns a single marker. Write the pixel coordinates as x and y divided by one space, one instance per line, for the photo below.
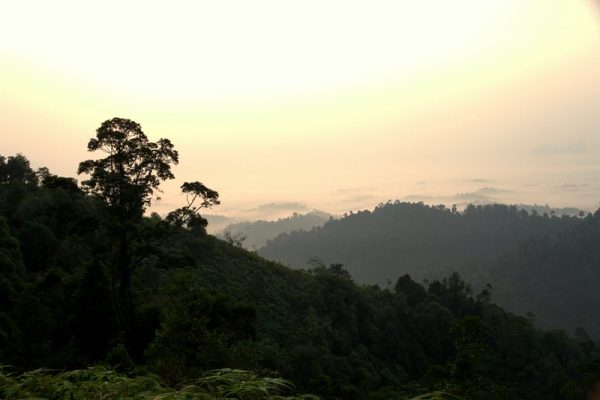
422 240
257 233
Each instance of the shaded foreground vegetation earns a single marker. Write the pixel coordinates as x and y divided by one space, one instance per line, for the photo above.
99 383
192 304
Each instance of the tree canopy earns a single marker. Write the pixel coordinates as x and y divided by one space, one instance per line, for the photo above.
133 167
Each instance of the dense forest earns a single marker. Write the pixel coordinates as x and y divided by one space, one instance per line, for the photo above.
87 278
542 264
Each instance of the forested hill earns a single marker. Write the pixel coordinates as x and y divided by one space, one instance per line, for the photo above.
541 264
199 303
554 277
421 240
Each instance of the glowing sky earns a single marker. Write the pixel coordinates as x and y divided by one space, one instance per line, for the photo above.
334 104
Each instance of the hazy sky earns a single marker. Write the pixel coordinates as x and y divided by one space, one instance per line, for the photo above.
334 105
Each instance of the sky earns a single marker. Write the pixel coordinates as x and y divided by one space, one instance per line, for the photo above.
287 106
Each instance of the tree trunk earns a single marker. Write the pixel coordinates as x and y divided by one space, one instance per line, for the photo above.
126 310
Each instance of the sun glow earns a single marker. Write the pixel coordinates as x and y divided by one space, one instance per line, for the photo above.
200 50
309 86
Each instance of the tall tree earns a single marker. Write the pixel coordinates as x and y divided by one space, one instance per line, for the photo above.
126 180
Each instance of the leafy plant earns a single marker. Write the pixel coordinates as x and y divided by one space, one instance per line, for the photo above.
99 383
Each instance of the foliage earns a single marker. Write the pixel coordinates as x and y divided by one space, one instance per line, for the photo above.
11 268
197 197
554 278
16 170
97 383
133 168
198 330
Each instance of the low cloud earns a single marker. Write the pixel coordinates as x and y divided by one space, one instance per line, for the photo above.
272 211
493 190
484 195
553 149
217 219
360 198
574 187
347 191
279 206
471 197
420 197
459 199
217 222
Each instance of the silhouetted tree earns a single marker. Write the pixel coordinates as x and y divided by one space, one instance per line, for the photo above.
132 170
197 197
126 179
16 169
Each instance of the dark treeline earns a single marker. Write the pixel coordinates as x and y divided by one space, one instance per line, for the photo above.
537 263
196 303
